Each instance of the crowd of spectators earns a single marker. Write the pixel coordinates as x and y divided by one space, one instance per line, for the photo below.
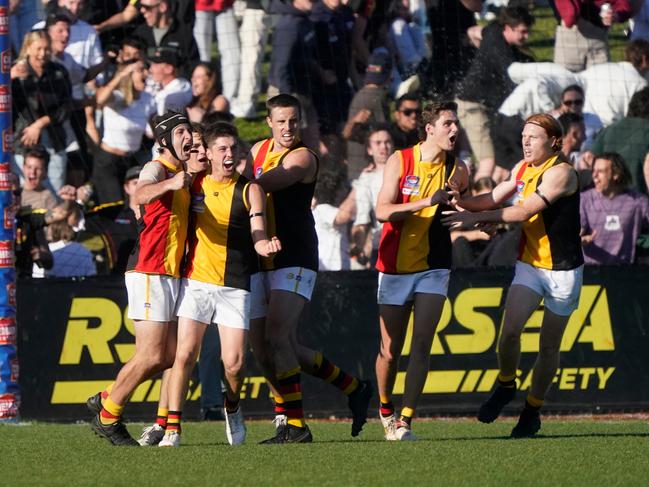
88 77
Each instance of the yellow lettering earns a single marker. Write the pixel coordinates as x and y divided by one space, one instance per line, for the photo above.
80 334
586 372
488 380
527 382
480 324
255 386
567 380
593 309
471 380
604 375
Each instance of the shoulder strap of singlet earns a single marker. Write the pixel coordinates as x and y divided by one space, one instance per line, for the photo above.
301 145
407 166
261 155
449 165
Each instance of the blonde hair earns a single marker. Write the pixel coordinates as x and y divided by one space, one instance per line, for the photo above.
127 87
29 39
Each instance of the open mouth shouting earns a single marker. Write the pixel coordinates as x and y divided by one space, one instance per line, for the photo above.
228 164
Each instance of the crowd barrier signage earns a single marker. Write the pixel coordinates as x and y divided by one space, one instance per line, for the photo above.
9 389
75 335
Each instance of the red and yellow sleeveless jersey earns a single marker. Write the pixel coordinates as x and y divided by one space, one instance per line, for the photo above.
288 214
163 231
420 242
220 246
550 239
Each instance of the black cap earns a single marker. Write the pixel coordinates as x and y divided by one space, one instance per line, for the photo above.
132 173
379 67
165 55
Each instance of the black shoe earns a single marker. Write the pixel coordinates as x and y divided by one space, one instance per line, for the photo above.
212 414
116 433
358 402
528 424
290 434
94 404
491 409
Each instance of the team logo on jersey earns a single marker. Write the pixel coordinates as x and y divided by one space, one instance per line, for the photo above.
518 195
258 172
410 185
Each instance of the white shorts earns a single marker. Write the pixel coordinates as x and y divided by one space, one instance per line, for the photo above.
211 303
398 289
297 280
560 289
151 297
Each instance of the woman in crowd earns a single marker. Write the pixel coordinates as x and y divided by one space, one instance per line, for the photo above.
207 93
41 97
127 109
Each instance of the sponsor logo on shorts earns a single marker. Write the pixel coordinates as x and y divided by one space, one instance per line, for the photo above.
292 276
147 305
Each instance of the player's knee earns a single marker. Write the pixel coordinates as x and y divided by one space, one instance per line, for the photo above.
153 360
186 357
233 365
388 354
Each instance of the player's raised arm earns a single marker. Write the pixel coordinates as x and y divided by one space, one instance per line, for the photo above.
300 166
152 184
264 246
387 210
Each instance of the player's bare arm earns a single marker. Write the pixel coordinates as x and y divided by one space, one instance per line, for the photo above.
264 246
386 208
495 198
558 181
298 167
152 184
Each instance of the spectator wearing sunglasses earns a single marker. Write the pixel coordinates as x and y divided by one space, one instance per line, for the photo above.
404 127
572 101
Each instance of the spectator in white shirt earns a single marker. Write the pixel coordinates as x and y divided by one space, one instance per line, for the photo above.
127 109
333 209
366 231
610 86
84 45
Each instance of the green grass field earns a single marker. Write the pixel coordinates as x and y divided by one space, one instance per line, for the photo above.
449 452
